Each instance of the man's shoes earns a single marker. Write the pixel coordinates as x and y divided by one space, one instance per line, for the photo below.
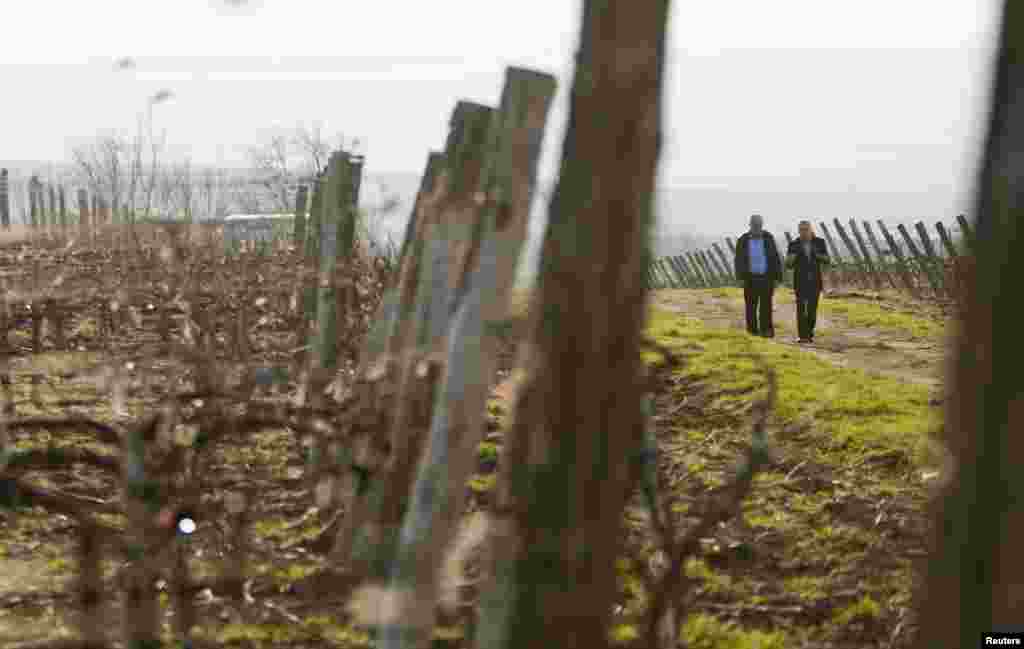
801 340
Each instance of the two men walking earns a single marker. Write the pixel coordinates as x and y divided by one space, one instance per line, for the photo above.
759 267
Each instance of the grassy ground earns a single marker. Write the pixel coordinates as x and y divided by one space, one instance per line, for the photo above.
823 555
824 552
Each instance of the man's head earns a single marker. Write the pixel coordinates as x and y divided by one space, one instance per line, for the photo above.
806 233
756 223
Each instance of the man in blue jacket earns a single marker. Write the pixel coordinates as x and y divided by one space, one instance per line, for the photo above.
759 268
806 255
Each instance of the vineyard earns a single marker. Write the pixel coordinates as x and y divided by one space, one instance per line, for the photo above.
927 266
216 434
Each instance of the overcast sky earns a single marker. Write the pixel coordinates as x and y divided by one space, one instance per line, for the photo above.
784 96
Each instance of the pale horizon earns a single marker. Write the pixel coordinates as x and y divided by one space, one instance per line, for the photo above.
788 109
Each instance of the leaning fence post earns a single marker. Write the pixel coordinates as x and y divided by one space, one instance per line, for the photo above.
723 276
680 271
901 261
5 201
299 231
922 266
932 259
947 242
857 262
696 278
725 261
51 220
867 257
882 262
83 211
666 277
62 205
669 273
838 263
968 233
701 273
712 271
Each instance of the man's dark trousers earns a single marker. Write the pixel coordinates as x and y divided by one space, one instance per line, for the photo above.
757 294
807 312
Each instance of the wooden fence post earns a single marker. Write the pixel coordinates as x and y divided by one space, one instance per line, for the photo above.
887 265
299 230
63 208
947 243
52 217
680 263
33 201
858 263
901 261
674 277
725 262
923 266
838 263
680 272
867 257
83 211
709 267
965 228
670 280
5 200
720 272
933 260
705 281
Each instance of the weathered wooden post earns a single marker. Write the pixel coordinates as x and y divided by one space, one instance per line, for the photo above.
429 282
838 263
972 584
965 228
63 208
721 277
698 277
947 242
51 220
902 263
299 232
335 197
862 268
705 281
315 209
83 212
728 269
875 272
908 281
680 271
922 265
692 280
559 443
5 200
33 201
677 272
931 256
670 278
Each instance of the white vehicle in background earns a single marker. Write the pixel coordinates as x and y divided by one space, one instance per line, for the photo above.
257 227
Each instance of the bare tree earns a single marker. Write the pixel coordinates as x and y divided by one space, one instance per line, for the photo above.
288 159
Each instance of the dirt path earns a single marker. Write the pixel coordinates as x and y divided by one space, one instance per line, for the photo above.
885 351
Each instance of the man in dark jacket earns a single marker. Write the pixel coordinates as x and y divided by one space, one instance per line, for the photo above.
759 267
806 255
